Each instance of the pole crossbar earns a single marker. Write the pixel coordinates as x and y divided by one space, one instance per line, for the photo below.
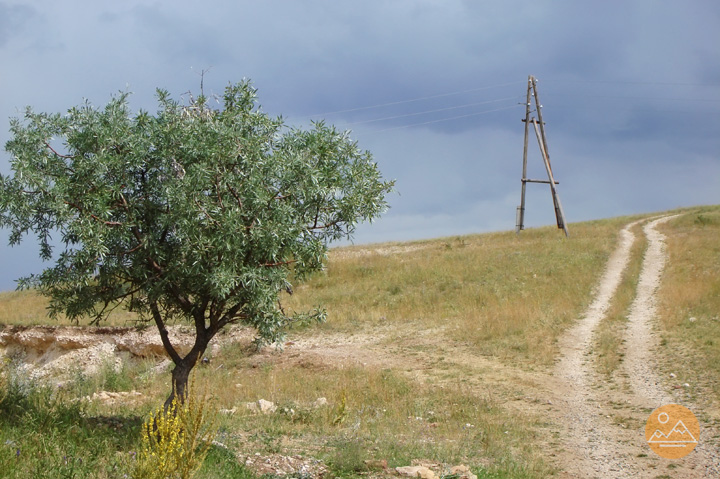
539 128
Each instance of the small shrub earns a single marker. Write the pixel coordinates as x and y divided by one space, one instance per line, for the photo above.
175 442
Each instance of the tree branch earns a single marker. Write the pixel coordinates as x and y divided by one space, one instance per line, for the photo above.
219 195
235 195
230 316
164 334
205 212
93 216
56 153
325 226
279 263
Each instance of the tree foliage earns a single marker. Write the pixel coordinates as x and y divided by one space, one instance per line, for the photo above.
195 213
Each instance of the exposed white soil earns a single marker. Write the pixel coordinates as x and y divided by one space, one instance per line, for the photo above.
54 351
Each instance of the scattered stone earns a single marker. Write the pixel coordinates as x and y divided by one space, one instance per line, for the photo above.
421 472
686 385
320 402
462 472
376 465
266 406
673 375
230 411
692 319
277 465
262 406
110 397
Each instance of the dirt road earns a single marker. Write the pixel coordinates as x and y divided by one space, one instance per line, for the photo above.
605 419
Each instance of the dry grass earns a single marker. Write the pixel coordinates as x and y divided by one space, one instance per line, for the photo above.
372 414
508 296
690 292
29 308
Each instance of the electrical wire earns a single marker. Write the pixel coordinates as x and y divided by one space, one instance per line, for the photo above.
467 105
605 97
443 119
434 111
621 82
412 100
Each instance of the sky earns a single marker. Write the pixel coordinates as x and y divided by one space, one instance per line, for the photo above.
435 89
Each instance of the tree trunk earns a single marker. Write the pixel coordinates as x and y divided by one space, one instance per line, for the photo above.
183 366
181 376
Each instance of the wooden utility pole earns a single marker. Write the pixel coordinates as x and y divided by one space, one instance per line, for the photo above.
539 127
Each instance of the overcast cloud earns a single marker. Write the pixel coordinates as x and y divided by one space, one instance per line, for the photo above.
630 91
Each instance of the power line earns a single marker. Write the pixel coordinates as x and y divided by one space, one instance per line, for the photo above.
443 119
400 102
443 95
434 111
703 100
622 82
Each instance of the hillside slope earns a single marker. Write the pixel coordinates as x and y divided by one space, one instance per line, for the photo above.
487 350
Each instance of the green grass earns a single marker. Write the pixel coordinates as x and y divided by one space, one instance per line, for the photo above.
47 432
372 414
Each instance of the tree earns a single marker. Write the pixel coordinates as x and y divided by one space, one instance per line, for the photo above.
194 213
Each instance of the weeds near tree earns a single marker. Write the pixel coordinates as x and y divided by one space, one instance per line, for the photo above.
176 440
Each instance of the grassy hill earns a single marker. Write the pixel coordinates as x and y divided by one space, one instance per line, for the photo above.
502 298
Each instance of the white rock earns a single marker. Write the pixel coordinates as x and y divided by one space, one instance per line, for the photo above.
462 472
416 471
320 402
266 407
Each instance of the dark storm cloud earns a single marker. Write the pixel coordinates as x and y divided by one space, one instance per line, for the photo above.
629 88
169 36
13 19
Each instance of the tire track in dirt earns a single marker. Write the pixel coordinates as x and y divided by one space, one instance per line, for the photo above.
590 451
597 443
640 341
642 346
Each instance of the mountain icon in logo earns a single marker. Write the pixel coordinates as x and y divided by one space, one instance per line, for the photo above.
679 436
680 440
